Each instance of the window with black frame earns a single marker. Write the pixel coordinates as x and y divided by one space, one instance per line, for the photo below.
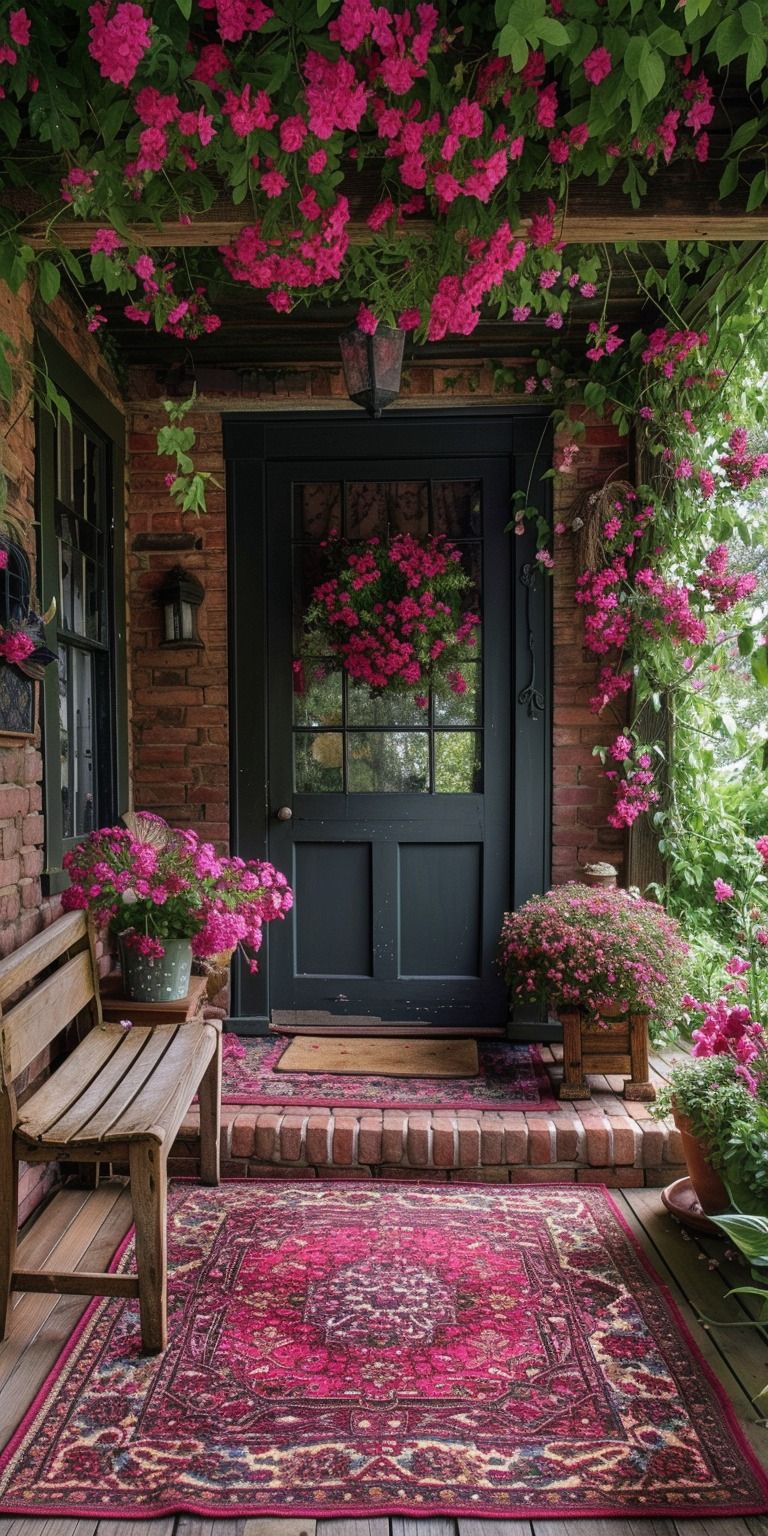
82 524
80 459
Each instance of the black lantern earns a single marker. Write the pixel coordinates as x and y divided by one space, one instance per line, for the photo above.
372 366
180 597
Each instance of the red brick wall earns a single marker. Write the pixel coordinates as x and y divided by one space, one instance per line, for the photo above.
180 698
23 911
581 795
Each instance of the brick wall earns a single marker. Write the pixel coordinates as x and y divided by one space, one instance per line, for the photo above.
180 698
23 911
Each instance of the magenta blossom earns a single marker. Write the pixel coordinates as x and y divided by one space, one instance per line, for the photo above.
723 891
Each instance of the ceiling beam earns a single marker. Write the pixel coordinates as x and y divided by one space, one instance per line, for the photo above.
595 228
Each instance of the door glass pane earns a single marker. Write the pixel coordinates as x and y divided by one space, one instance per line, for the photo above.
457 508
310 568
366 509
461 708
387 762
367 708
318 762
457 763
76 741
409 507
78 469
317 509
317 693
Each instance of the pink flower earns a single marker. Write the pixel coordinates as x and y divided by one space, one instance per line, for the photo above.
597 65
106 240
317 162
20 27
621 749
723 891
15 646
293 131
761 845
118 42
409 320
273 183
366 320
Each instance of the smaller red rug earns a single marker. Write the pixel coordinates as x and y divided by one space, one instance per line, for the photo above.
510 1077
362 1349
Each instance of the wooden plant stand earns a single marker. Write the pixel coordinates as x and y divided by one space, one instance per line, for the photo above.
115 1007
621 1047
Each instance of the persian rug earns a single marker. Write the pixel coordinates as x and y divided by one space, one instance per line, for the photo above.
397 1057
367 1349
509 1077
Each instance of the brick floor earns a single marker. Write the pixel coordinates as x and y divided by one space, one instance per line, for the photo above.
602 1139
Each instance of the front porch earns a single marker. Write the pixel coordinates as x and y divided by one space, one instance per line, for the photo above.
605 1139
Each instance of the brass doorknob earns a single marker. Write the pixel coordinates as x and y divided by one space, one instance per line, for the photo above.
284 813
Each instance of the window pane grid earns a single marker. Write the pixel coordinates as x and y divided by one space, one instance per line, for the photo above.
379 744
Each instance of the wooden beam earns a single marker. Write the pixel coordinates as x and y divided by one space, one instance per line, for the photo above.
78 1282
577 228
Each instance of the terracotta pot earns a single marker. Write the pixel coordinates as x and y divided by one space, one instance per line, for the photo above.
709 1188
602 876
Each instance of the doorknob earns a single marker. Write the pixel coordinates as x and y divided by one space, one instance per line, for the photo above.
284 813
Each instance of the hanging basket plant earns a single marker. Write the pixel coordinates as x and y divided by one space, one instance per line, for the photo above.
400 617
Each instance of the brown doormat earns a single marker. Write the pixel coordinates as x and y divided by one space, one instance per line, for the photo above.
380 1058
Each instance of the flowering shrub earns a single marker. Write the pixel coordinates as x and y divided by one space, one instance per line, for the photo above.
22 643
395 614
578 947
173 887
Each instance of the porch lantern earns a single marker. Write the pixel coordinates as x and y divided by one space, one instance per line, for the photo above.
372 366
180 597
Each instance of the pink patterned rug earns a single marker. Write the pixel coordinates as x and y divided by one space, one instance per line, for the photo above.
510 1077
367 1349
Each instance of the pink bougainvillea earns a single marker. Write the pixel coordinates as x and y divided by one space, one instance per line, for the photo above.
118 42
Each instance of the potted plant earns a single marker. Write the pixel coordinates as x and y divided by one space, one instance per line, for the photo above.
719 1101
607 963
166 897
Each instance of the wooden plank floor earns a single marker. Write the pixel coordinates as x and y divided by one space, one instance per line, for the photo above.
81 1229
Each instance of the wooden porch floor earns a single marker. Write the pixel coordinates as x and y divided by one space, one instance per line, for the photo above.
82 1228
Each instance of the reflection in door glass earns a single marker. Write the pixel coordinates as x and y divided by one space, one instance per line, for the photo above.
457 508
319 762
367 708
387 762
457 763
317 693
317 510
461 708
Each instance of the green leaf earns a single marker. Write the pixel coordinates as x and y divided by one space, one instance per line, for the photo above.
749 1233
652 72
185 6
6 381
760 666
512 46
634 53
744 135
49 279
729 179
751 17
757 190
728 40
757 55
552 31
746 642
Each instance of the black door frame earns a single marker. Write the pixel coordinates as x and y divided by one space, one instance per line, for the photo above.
251 440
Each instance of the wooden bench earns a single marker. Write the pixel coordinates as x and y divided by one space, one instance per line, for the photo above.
119 1096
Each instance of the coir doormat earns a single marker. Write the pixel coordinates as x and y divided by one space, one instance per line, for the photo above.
508 1077
368 1349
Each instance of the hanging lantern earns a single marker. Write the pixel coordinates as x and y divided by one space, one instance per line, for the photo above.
372 366
180 597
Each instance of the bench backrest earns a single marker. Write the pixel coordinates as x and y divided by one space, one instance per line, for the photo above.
47 1008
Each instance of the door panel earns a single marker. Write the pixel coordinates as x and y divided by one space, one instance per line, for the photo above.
411 832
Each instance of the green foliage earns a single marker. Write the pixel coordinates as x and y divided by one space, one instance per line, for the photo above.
724 1116
187 487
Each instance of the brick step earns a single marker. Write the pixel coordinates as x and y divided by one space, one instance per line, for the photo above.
600 1140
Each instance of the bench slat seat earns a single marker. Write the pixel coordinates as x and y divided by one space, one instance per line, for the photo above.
119 1096
119 1084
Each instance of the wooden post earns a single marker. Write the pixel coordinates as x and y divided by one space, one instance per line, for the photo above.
574 1084
9 1203
639 1087
209 1099
149 1192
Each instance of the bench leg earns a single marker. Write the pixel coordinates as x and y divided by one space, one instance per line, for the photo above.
209 1099
9 1220
149 1193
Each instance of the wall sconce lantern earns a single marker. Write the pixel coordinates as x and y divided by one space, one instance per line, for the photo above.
180 597
372 366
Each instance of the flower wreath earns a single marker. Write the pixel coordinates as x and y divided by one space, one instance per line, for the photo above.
397 615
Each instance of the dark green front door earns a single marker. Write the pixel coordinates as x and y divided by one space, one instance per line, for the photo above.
393 824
